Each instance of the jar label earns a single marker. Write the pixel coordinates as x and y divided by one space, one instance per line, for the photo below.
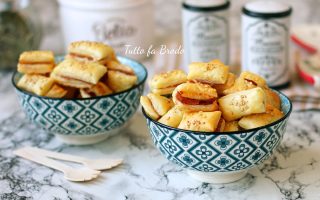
266 50
206 37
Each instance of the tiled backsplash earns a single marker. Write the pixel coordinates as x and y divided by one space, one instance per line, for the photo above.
168 15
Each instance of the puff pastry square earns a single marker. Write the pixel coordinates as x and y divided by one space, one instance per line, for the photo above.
165 83
257 120
231 126
116 66
56 91
100 89
200 121
148 107
229 83
246 80
77 74
214 72
172 118
272 98
160 103
88 51
243 103
36 84
195 97
119 81
36 62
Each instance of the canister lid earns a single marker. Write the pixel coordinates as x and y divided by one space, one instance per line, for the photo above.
307 37
206 5
267 9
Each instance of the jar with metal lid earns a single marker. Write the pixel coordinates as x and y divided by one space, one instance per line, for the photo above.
205 30
20 30
123 24
265 41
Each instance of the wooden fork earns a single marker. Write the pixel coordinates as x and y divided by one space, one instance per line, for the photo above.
70 173
95 164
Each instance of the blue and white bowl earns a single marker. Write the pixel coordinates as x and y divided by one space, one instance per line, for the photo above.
84 121
219 157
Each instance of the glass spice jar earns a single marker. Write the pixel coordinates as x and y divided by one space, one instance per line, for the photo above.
19 31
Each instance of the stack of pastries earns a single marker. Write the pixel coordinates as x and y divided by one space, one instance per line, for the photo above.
90 69
211 99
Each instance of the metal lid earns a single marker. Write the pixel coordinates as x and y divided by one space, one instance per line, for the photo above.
267 9
206 5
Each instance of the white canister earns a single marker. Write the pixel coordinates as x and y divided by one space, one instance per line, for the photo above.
205 30
123 24
265 41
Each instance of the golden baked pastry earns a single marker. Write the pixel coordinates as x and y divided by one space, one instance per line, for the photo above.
116 66
247 80
200 121
148 107
172 118
56 91
243 103
229 83
100 89
195 97
272 114
37 84
221 125
119 81
36 62
231 126
165 83
272 98
78 74
213 72
160 103
88 51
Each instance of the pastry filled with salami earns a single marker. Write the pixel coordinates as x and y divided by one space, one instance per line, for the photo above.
88 51
77 74
195 97
36 62
165 83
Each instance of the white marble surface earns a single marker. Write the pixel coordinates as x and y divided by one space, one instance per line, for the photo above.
292 173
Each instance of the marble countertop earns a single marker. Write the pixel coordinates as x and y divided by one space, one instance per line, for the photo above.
292 173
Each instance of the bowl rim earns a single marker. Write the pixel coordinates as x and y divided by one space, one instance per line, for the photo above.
224 133
90 98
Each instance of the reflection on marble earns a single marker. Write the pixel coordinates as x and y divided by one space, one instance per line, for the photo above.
292 173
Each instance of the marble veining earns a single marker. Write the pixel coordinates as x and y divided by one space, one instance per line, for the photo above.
292 173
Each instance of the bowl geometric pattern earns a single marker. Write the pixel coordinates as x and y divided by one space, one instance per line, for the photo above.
84 116
221 152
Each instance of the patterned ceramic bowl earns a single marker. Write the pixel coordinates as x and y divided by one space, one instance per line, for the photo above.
219 157
84 121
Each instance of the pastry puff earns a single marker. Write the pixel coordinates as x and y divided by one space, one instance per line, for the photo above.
88 51
195 97
257 120
239 104
77 74
100 89
229 83
213 72
231 126
200 121
37 84
272 98
119 81
156 105
56 92
116 66
172 118
165 83
36 62
246 80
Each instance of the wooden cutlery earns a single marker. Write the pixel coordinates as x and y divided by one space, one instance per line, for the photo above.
90 172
